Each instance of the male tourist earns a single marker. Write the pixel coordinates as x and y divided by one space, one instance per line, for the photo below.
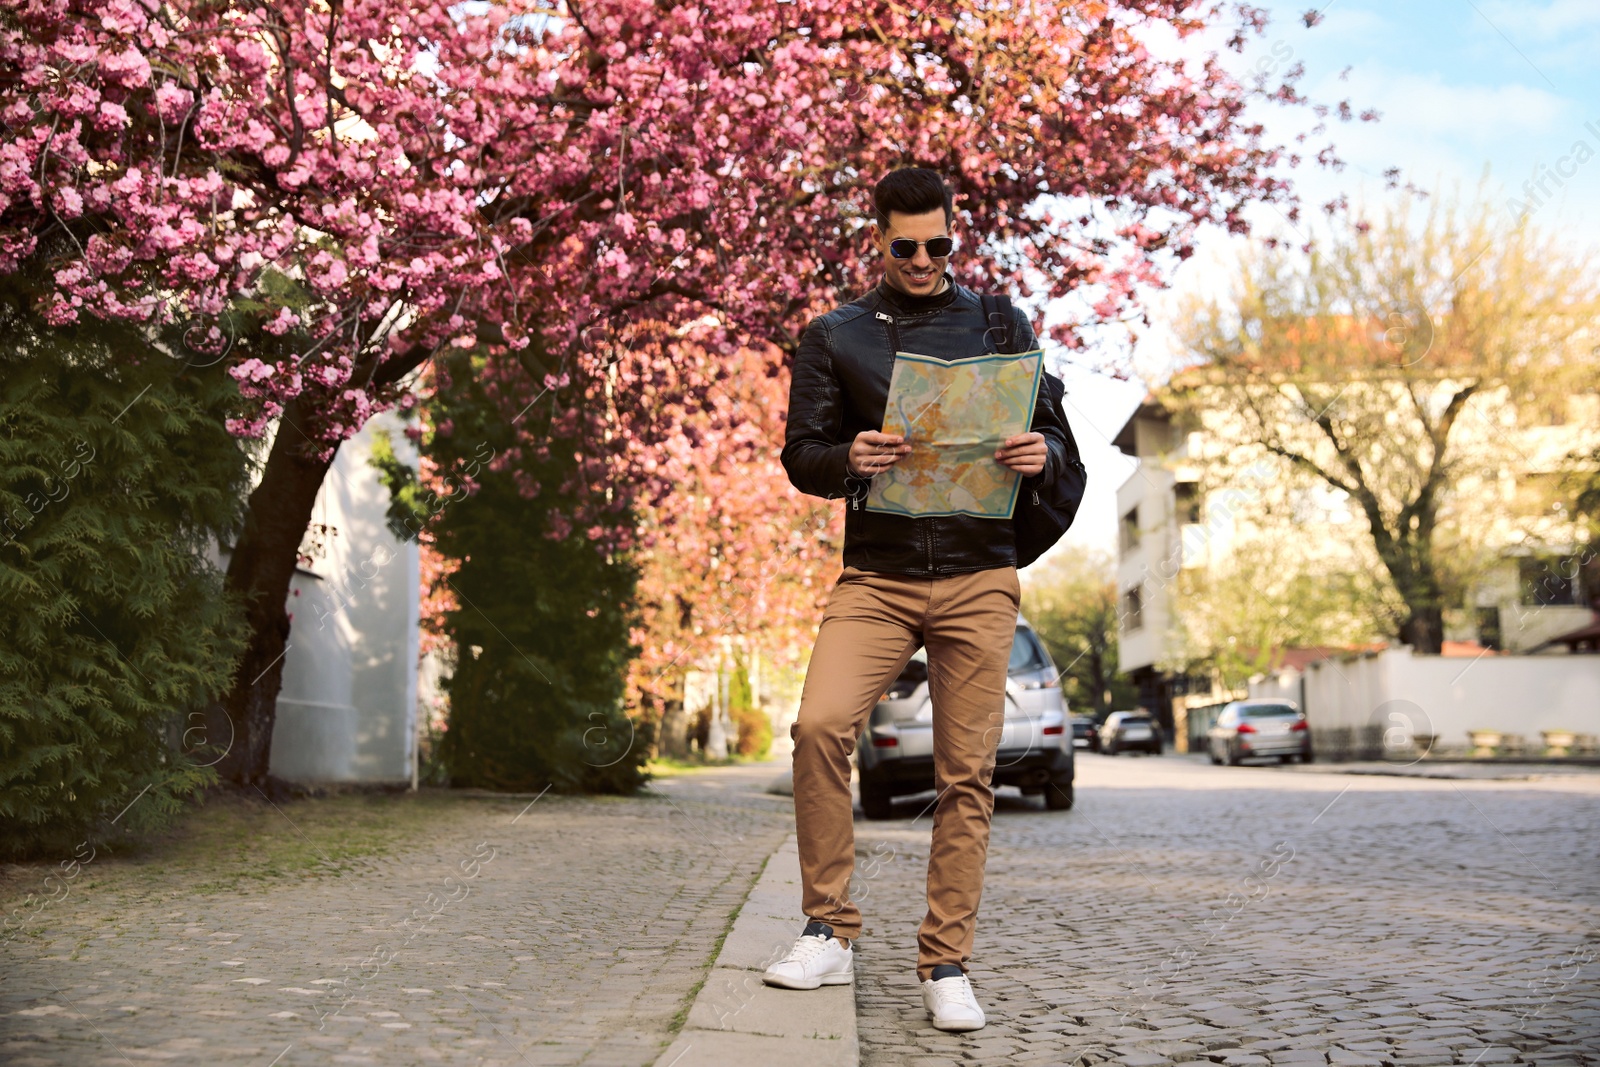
947 582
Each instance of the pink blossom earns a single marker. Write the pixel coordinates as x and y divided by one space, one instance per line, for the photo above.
281 323
110 116
128 68
122 17
202 205
252 370
69 203
173 102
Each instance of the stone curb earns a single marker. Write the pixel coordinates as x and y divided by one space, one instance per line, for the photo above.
1464 771
737 1018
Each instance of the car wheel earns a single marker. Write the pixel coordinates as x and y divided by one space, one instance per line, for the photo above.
1059 796
1233 756
1305 757
1286 758
876 801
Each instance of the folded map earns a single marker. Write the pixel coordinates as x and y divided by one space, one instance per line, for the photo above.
954 414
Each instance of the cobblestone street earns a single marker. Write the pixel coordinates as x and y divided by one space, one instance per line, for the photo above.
563 931
1181 912
1258 914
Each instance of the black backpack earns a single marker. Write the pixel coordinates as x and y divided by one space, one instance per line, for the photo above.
1041 515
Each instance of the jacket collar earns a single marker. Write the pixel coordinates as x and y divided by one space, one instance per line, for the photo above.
916 305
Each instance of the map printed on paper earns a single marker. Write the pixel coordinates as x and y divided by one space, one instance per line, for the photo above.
954 415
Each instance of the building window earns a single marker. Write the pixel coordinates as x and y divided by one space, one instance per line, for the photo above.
1132 608
1186 498
1549 581
1128 530
1489 628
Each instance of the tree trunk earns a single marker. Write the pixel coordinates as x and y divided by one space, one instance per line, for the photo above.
674 736
1409 560
717 737
259 572
1101 681
1423 628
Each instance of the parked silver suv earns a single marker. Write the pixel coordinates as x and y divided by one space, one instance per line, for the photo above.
894 754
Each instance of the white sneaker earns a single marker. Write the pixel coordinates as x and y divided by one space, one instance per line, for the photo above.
951 1005
817 959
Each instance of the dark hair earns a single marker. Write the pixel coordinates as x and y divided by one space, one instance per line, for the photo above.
911 191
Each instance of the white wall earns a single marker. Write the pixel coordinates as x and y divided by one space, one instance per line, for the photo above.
1448 696
347 710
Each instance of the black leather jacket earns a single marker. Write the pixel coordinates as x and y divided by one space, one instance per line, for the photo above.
840 387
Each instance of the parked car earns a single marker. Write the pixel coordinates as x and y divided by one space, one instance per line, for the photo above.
1085 733
1247 728
1130 731
894 755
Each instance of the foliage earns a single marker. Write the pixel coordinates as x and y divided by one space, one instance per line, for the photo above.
731 548
1237 615
541 621
408 501
1071 601
753 724
1369 364
430 171
165 162
115 476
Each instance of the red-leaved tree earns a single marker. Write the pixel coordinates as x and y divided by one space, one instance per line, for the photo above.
728 548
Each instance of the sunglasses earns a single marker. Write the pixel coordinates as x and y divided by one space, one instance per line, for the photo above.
905 247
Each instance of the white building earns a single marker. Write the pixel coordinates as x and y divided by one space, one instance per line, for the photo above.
347 711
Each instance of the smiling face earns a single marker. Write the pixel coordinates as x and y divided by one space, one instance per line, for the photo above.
921 275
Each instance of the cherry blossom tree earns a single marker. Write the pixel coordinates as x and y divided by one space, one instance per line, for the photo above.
326 194
728 547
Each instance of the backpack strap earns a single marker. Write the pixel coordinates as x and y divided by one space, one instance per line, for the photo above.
997 305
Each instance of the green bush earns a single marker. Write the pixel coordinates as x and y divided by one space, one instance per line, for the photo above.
752 724
755 732
116 476
542 626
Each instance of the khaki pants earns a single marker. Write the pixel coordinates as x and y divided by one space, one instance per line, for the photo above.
869 630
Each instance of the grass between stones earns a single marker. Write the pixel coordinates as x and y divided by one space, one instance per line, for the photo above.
682 1014
233 841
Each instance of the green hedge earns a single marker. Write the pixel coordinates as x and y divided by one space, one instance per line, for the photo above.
542 626
115 476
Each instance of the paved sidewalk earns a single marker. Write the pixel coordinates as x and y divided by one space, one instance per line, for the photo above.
738 1019
1189 913
565 931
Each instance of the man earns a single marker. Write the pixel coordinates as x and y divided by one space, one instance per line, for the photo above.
947 582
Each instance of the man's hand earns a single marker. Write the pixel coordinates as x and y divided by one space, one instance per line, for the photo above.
1025 453
873 452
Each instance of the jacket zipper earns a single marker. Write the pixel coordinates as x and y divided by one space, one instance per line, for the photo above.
894 334
894 346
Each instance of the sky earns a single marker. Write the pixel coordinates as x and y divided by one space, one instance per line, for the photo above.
1462 85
